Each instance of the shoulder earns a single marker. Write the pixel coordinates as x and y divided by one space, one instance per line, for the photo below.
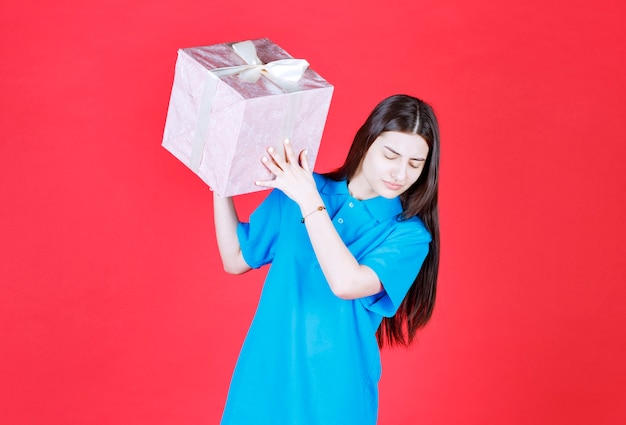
411 229
273 201
328 186
320 180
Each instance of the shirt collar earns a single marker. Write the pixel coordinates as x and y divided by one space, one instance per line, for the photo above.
380 208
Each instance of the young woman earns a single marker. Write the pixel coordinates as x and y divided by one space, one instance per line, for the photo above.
354 257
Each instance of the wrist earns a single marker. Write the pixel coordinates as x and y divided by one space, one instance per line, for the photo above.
320 208
310 203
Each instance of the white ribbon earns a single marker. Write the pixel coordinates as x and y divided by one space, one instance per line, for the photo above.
283 72
290 70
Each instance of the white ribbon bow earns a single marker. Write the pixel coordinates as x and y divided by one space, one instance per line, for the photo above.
290 70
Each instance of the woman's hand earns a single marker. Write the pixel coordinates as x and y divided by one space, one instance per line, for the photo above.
293 176
346 277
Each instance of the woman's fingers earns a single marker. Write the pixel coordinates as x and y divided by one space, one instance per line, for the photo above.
280 161
274 162
304 163
282 166
289 155
266 183
292 172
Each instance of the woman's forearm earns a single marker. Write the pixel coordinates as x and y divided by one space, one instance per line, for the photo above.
226 222
346 277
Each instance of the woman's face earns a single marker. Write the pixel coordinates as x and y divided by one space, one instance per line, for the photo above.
391 165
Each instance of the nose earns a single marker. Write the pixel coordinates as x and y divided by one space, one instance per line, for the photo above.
399 171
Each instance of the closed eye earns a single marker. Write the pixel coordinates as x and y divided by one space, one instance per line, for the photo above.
391 154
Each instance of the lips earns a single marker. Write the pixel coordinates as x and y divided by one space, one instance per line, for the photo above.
392 186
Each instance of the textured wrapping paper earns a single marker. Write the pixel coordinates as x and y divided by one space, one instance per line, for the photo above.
221 119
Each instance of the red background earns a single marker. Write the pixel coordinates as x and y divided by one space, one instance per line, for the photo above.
114 307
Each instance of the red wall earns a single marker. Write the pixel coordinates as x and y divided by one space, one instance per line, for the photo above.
113 305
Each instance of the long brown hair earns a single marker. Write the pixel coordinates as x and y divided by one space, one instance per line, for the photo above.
410 115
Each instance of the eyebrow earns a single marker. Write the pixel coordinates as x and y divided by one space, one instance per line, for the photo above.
397 153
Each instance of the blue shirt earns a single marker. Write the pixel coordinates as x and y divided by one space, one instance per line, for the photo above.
310 357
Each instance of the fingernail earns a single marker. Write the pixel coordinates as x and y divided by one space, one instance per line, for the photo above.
257 183
306 152
270 149
264 159
286 141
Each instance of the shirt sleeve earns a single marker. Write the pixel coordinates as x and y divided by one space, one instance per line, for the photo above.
396 262
258 237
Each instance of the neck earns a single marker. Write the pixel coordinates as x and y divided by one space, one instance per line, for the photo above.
357 189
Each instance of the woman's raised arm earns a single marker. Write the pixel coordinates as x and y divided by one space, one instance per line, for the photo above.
226 222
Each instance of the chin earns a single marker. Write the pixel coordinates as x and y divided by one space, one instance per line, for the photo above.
390 194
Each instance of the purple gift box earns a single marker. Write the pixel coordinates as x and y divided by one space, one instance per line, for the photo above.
232 101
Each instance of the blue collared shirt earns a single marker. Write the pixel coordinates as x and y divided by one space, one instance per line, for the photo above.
310 357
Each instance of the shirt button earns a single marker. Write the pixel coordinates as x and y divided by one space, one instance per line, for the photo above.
340 221
351 204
